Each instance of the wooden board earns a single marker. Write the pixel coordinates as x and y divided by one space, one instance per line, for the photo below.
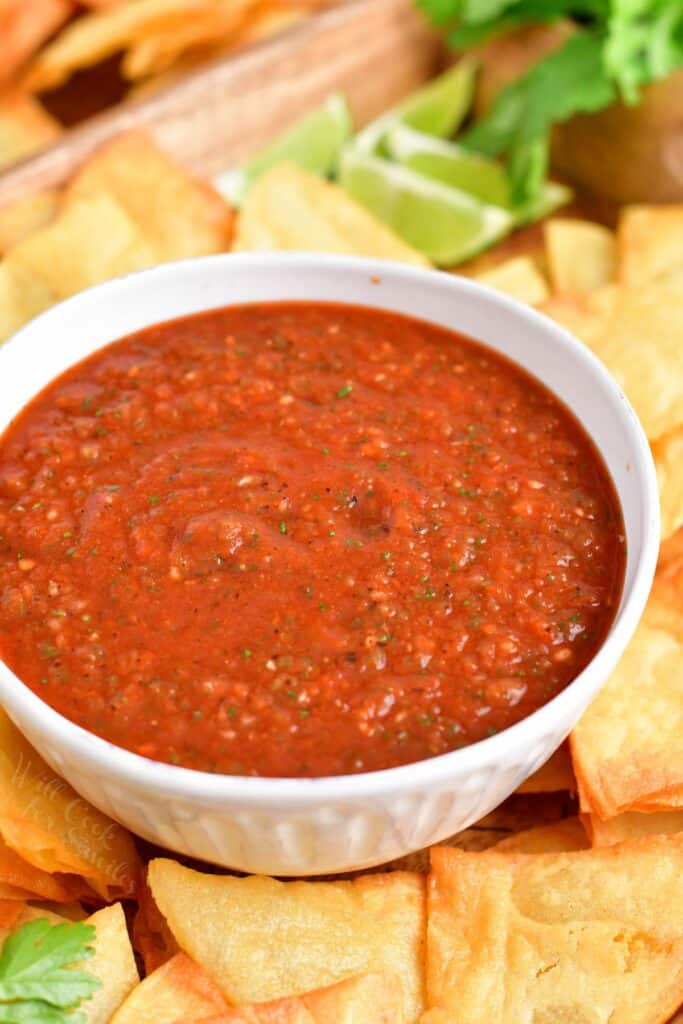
376 51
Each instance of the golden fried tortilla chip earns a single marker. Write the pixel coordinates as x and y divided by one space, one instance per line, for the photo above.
649 242
22 296
560 837
585 315
587 937
668 455
21 218
10 912
50 826
91 241
97 35
152 937
113 963
35 883
158 50
27 913
626 748
641 345
365 999
180 990
581 254
24 26
25 127
290 209
518 277
554 776
632 826
177 214
263 940
671 553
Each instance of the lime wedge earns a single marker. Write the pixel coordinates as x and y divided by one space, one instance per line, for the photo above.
551 197
313 143
438 108
444 223
482 177
450 164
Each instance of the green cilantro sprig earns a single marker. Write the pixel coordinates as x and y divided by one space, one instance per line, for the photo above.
38 983
617 48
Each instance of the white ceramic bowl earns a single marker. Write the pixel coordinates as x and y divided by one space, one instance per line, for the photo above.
315 826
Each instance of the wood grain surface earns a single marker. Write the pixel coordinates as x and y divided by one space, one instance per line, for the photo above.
376 51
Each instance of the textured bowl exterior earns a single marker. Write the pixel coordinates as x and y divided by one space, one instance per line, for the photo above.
319 826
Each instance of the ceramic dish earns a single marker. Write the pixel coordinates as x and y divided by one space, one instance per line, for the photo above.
323 825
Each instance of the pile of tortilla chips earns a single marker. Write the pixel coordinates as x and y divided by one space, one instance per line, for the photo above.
44 42
130 207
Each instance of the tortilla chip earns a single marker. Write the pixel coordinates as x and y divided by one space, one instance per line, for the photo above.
32 881
21 218
177 215
96 36
585 316
91 241
290 209
518 277
366 999
152 938
50 826
24 26
180 990
25 127
10 912
626 748
560 837
113 963
67 911
632 826
158 50
554 776
668 456
28 913
22 296
650 242
586 937
671 552
581 254
263 940
11 892
642 347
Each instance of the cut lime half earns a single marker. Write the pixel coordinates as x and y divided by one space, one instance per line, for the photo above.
313 143
444 223
458 167
438 108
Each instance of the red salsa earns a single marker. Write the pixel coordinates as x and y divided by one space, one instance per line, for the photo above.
301 539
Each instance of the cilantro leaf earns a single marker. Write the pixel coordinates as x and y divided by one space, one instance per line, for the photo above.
569 81
479 20
35 1011
35 986
645 43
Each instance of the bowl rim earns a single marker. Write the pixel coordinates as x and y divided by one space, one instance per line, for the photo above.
173 780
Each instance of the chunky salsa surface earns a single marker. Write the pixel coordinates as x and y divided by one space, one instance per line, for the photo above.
301 539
